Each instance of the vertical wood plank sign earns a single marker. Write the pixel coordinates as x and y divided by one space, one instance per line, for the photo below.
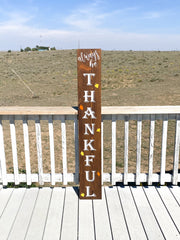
89 113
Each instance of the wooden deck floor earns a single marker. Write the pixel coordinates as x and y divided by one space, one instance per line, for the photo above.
123 213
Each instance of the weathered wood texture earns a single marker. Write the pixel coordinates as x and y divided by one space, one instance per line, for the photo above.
58 213
74 110
89 116
37 111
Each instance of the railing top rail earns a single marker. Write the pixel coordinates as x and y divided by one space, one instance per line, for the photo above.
124 110
38 110
141 110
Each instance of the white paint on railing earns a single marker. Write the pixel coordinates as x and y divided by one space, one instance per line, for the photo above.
113 149
113 176
64 150
14 150
52 156
138 162
26 150
76 139
131 177
163 149
2 156
126 142
176 151
39 149
151 149
102 152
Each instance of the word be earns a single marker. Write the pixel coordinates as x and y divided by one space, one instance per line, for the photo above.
92 58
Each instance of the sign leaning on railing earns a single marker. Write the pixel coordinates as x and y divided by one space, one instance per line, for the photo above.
89 114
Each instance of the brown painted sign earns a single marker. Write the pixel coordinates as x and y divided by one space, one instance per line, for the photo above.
89 103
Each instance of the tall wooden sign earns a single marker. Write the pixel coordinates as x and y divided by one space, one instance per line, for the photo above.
89 103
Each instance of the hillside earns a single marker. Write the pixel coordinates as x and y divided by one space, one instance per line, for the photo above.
128 78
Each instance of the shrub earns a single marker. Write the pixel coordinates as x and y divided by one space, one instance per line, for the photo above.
27 49
34 49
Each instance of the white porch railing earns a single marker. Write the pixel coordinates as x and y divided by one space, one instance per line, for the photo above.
62 114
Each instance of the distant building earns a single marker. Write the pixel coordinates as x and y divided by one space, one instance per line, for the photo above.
42 48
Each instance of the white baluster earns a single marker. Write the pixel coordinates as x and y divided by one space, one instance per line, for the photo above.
14 150
176 151
138 163
52 155
26 149
151 149
76 150
102 151
2 156
113 149
126 141
64 151
163 149
39 149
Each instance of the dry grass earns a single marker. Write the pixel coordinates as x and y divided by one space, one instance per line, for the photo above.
128 78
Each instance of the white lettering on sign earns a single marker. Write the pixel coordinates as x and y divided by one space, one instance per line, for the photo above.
91 96
92 58
89 75
88 144
89 113
88 178
89 158
89 128
88 192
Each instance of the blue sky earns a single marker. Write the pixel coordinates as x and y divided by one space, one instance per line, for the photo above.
106 24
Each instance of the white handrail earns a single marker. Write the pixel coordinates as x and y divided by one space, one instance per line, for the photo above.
62 114
115 110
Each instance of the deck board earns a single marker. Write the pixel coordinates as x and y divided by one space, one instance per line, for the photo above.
147 217
171 204
5 195
101 219
86 220
54 218
134 224
116 215
69 224
58 213
164 219
20 226
38 220
8 217
176 192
